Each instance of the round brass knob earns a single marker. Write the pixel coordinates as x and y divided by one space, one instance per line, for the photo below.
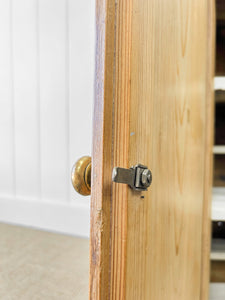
81 176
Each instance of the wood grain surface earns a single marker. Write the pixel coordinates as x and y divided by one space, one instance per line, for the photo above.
209 141
100 224
153 105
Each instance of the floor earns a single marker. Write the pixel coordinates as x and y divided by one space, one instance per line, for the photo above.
38 265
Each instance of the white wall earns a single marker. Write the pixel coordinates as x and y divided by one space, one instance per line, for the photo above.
46 94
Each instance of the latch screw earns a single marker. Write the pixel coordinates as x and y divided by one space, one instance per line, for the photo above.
146 178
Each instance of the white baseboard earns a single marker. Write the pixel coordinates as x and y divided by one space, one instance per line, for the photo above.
68 218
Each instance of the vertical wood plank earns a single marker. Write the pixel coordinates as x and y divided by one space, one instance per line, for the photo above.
121 132
100 223
7 181
169 76
26 101
55 173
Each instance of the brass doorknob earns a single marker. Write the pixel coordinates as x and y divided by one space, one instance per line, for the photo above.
81 176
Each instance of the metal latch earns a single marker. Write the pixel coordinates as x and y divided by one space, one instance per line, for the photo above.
139 177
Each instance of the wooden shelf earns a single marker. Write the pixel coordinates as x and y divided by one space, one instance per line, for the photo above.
219 83
218 204
219 149
218 250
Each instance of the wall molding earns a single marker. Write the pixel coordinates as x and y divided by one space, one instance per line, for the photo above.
69 218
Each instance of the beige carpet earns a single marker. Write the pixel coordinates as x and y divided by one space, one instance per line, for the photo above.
37 265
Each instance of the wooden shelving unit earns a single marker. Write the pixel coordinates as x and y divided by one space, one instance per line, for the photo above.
219 149
218 203
218 210
218 206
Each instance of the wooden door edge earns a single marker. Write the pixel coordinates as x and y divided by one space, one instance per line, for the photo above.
209 134
100 234
110 149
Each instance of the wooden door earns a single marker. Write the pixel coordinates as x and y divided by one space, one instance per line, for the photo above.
154 106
